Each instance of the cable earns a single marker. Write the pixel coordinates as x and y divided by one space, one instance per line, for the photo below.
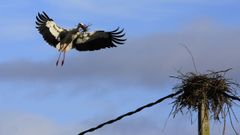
130 113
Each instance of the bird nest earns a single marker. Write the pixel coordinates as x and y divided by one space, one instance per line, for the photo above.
212 90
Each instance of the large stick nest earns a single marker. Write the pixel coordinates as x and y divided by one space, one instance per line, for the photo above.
211 89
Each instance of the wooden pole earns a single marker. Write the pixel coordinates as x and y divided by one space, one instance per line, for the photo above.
203 120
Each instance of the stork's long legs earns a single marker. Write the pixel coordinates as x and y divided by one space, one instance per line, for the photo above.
63 58
58 58
62 49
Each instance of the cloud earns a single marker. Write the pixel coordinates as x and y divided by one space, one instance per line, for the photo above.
19 123
13 123
144 61
111 8
135 9
18 25
141 126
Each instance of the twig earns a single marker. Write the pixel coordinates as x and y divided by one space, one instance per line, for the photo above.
230 117
234 115
224 120
193 60
221 71
130 113
232 97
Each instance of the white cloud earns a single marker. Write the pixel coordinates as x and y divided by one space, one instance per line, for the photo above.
20 123
146 61
16 123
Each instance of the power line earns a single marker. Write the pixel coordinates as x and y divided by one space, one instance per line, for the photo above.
130 113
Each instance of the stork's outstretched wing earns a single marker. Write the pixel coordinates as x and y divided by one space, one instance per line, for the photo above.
99 40
48 28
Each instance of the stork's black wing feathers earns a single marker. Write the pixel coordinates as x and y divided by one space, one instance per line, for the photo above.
48 28
99 40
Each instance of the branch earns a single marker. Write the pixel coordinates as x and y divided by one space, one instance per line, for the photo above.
193 60
130 113
232 97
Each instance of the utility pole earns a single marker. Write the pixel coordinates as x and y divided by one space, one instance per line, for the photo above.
203 120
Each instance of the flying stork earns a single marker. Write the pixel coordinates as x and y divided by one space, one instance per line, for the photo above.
77 38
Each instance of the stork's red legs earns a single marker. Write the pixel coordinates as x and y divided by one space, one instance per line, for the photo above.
58 58
60 53
63 58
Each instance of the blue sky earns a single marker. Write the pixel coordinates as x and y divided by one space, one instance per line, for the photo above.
36 97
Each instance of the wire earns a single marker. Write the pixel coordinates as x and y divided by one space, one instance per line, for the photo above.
130 113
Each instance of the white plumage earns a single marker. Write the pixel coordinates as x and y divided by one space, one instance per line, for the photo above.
53 28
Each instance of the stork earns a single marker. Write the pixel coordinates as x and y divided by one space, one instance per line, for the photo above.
78 38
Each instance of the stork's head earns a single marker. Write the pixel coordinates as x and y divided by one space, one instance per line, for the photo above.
83 27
